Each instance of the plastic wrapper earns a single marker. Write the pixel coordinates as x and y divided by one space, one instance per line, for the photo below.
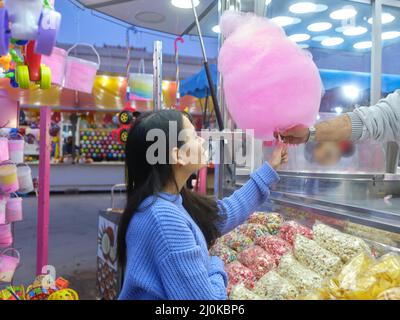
222 251
275 246
390 294
275 287
290 229
252 230
343 245
235 241
257 260
318 259
240 292
271 220
238 273
364 278
301 277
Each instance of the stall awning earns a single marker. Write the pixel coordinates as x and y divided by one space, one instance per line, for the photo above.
197 85
337 78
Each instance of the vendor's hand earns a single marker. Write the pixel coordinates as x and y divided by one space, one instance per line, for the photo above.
295 135
279 156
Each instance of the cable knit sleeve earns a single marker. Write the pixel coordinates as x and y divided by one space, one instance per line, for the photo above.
186 273
380 122
244 201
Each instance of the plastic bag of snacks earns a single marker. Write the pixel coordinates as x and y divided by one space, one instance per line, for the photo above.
313 256
238 273
364 278
289 229
390 294
275 287
301 277
235 241
240 292
275 246
343 245
226 254
252 230
271 220
257 260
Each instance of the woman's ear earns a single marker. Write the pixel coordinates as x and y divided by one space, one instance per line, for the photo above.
177 157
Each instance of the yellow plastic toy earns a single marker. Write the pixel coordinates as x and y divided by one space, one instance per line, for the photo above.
64 294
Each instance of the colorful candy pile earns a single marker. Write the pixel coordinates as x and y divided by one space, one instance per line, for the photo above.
226 254
257 260
252 230
235 241
238 273
289 229
271 220
275 246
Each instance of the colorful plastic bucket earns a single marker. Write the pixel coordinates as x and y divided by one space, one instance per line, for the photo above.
8 264
25 180
56 62
6 238
80 74
8 178
16 150
140 84
3 211
13 212
4 154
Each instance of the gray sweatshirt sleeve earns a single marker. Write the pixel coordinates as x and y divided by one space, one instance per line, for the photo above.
380 122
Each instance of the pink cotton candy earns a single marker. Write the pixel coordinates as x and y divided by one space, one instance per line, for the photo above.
270 83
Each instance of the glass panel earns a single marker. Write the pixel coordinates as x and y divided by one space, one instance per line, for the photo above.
335 45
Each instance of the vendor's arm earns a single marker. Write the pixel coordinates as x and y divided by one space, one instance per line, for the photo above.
185 274
380 122
244 201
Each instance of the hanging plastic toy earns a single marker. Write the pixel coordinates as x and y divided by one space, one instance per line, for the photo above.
33 25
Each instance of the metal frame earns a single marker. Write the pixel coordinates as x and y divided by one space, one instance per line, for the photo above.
157 75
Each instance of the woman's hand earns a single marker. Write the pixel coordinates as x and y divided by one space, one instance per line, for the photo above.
279 156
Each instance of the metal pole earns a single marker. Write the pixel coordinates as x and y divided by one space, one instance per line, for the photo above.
376 53
208 73
392 148
157 75
44 190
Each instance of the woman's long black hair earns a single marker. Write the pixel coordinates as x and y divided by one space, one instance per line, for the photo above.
144 179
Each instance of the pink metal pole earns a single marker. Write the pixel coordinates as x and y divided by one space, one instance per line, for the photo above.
203 180
44 190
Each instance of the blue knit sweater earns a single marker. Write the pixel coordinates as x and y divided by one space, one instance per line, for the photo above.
167 256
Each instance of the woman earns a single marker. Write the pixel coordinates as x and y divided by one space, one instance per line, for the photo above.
166 230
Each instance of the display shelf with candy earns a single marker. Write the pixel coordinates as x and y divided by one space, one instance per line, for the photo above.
98 145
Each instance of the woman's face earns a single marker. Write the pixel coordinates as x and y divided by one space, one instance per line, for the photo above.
192 153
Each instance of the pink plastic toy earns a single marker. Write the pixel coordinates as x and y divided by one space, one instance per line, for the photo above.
6 238
8 265
270 83
16 148
4 155
14 210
